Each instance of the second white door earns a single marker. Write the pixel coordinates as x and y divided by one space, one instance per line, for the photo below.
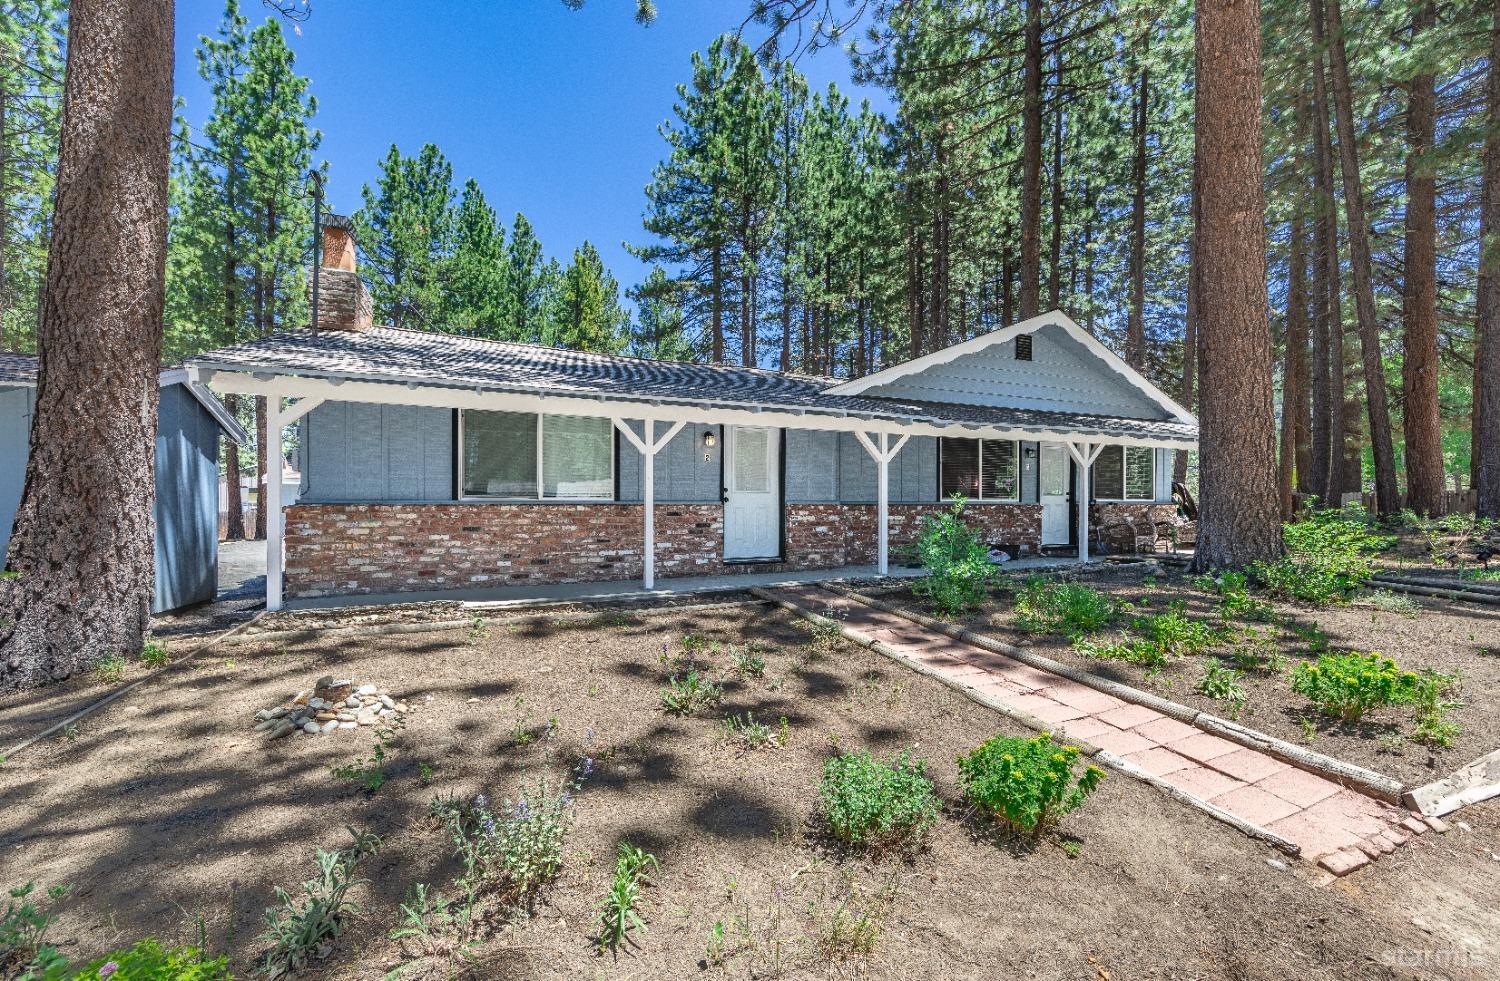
1054 493
752 493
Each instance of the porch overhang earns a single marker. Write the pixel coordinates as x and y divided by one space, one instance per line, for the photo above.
398 391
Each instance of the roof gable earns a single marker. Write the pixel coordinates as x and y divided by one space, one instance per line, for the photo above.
1069 371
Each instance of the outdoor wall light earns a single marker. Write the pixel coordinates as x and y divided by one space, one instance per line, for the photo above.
1030 452
709 439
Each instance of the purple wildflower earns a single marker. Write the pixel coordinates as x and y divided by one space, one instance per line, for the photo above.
108 969
523 809
481 801
586 768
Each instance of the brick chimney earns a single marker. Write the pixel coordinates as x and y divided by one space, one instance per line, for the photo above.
343 302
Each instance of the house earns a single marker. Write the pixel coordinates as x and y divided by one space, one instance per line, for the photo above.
434 461
189 421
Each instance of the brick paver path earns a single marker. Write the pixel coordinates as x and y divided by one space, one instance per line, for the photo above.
1338 828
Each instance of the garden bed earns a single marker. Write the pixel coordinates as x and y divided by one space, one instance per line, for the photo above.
1455 639
166 806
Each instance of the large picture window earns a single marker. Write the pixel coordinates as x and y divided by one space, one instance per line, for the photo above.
980 469
1125 473
524 456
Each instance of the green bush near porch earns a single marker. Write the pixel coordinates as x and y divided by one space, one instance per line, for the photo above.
957 561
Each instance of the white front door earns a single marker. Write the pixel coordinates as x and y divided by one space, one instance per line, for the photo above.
752 488
1054 494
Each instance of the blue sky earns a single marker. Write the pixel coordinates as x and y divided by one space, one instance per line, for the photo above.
554 112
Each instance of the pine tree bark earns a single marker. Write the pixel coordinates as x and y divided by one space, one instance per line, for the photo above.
1054 245
1031 165
1328 443
1185 393
82 546
1387 493
1239 514
1419 372
1293 381
1135 332
1487 366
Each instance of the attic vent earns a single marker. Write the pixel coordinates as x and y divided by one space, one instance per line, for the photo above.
1023 347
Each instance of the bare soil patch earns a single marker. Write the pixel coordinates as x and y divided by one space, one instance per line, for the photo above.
166 806
1454 638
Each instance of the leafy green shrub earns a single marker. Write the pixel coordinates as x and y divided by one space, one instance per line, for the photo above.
1176 633
1349 685
883 806
686 694
1133 650
619 915
516 851
108 670
957 561
1257 650
1221 682
1235 601
1432 707
1483 575
750 734
1026 784
747 662
148 960
1328 557
1069 608
24 951
154 655
298 930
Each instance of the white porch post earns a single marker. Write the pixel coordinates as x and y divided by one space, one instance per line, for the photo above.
277 419
1083 454
648 448
883 455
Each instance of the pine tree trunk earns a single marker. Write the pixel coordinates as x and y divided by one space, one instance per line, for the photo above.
234 502
1387 493
1054 255
1239 517
1487 366
1419 371
1328 342
82 545
1135 333
1031 165
717 277
1185 394
1293 381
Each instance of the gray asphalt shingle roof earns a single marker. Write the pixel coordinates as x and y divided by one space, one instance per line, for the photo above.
391 354
17 368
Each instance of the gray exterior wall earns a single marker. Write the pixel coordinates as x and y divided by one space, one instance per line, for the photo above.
15 435
687 472
187 501
1062 376
361 451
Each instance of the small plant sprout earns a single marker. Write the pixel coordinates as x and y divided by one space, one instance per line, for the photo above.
23 932
749 734
300 929
479 630
1222 683
154 654
109 670
747 662
689 693
633 868
369 773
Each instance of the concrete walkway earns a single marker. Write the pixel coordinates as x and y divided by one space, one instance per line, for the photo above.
631 589
1338 828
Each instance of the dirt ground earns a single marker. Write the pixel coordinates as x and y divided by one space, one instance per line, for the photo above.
1462 639
165 806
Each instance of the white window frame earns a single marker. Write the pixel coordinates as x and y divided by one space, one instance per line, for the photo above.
980 464
614 480
1150 497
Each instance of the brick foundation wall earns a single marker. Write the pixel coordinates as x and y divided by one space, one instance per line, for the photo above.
350 549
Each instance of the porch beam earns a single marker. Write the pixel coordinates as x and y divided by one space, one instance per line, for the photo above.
1084 454
648 447
883 455
450 397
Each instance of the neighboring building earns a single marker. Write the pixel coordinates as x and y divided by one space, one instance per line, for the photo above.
433 461
189 421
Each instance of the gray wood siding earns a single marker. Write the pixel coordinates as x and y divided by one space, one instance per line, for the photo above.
1062 376
16 405
687 472
362 451
825 467
187 501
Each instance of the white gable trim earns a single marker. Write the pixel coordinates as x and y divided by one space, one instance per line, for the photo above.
861 386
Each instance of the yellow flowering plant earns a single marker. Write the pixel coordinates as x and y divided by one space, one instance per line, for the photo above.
1026 784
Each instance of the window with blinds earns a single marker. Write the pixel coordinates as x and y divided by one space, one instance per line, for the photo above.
985 470
523 456
1125 473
